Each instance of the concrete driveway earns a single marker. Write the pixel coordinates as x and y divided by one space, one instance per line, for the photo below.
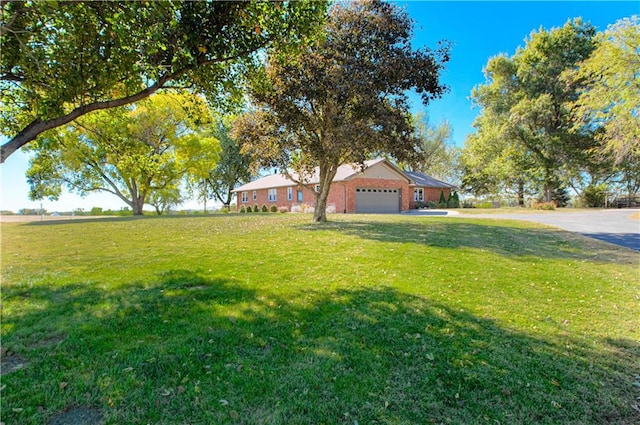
617 226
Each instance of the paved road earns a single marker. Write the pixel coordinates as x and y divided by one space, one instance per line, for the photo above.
619 226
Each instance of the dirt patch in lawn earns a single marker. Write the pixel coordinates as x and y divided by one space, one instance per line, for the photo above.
83 415
10 361
49 341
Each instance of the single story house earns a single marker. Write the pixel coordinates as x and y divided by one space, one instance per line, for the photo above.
380 188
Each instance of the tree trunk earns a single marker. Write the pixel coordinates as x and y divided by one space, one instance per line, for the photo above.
548 190
547 193
226 202
521 192
320 211
327 173
137 205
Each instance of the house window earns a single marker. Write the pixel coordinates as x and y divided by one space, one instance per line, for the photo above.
418 194
289 194
255 195
273 195
245 197
300 196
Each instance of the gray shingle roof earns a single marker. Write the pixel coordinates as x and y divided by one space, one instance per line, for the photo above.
427 181
280 180
345 172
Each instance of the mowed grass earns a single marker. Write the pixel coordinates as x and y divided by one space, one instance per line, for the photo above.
269 319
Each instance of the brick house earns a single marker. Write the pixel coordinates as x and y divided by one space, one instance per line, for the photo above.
380 188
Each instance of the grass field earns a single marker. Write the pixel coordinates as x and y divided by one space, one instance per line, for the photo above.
269 319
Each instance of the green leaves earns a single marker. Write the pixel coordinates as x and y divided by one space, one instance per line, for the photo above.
524 138
610 99
345 99
436 155
129 152
63 60
233 166
564 110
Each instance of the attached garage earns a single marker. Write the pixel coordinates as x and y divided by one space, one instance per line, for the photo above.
374 200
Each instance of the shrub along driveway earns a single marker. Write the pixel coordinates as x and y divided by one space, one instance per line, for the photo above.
620 227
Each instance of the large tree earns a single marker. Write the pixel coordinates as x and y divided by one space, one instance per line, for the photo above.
233 166
527 101
492 161
62 60
165 198
610 99
130 152
492 165
345 99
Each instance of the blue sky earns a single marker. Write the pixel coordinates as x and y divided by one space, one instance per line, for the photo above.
480 30
477 30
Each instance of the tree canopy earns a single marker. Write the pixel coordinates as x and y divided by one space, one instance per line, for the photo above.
137 153
436 156
233 166
525 118
610 97
62 60
345 100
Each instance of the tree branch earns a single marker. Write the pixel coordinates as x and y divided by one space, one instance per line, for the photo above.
10 76
37 126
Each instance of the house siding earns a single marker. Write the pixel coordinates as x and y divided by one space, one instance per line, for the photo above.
431 194
262 198
342 195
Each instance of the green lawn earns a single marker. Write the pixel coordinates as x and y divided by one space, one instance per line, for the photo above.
269 319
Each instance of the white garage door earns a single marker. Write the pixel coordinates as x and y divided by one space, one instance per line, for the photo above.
370 200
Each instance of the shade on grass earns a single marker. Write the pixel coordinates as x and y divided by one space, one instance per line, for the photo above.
366 319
